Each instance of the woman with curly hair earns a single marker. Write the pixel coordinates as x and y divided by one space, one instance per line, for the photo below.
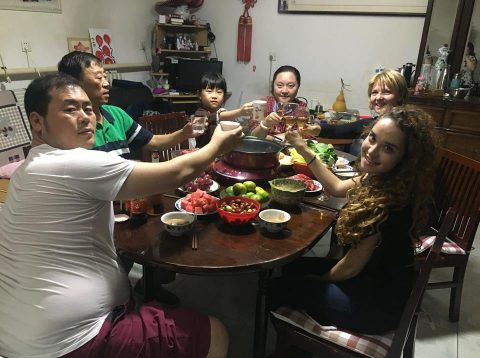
367 289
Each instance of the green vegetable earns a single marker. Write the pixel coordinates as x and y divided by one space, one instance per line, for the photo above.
325 152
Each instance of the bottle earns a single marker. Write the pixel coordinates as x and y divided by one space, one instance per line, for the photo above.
456 81
443 80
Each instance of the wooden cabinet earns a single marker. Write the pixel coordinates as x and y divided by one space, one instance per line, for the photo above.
458 122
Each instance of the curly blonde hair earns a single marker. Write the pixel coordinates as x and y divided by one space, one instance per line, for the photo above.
408 184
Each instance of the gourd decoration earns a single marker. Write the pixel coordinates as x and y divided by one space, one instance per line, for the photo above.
340 105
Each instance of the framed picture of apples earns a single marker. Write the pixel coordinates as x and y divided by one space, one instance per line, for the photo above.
102 46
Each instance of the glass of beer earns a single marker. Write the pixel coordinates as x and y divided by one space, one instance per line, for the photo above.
287 112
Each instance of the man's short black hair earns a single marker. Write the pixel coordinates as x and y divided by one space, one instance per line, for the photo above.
37 96
75 62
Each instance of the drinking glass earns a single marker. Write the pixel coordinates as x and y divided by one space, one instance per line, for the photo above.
287 112
199 124
302 114
324 196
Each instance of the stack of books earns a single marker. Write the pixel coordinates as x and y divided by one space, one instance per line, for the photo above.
175 19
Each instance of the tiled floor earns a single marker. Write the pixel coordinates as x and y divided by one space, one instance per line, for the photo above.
232 299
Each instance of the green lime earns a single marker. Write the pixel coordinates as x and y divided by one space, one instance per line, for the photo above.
229 191
250 194
259 189
264 196
239 189
257 197
250 185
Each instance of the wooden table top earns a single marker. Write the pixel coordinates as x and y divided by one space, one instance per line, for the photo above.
223 248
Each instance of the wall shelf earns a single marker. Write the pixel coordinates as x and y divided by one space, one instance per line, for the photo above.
31 72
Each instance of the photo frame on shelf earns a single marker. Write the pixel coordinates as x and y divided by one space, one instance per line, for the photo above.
186 42
354 7
30 5
81 44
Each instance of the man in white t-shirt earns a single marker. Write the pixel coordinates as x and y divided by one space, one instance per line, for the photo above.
62 289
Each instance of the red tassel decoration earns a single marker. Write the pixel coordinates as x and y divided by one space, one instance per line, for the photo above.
244 37
241 38
247 52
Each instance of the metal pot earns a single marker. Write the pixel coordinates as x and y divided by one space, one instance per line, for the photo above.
254 153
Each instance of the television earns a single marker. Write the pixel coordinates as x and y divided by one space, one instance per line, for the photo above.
190 72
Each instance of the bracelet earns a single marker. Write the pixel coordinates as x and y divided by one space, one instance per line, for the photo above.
311 160
220 110
264 126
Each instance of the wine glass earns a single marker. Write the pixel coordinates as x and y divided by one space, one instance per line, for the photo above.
302 116
324 196
287 112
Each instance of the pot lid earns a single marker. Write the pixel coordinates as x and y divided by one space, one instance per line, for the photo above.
257 145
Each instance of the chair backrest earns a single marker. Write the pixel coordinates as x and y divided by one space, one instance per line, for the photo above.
457 185
415 299
164 124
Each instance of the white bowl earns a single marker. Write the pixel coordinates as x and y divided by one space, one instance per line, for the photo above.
229 125
178 229
274 220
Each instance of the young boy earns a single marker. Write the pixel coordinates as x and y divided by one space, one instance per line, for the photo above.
212 96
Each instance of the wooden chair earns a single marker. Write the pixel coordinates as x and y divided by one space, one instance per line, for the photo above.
164 124
296 329
458 186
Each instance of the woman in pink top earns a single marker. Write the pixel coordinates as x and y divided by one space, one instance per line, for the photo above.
285 85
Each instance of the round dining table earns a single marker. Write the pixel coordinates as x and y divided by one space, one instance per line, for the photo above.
223 249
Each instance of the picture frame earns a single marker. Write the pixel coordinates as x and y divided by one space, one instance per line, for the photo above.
354 7
185 42
79 44
54 6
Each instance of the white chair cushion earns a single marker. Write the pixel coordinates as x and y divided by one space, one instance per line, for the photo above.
374 346
449 247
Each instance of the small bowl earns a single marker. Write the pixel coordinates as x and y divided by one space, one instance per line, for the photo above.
274 220
459 92
234 218
229 125
178 229
287 191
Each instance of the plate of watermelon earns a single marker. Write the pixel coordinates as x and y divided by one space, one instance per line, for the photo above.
313 186
198 202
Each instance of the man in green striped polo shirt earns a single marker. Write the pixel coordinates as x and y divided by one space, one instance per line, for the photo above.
116 131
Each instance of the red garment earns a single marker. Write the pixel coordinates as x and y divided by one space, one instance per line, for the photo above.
153 331
272 107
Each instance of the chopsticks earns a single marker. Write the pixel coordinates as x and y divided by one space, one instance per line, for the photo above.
194 235
171 196
194 241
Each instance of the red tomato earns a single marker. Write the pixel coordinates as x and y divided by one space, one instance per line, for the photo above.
108 61
99 40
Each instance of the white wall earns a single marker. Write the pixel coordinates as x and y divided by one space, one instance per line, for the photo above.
323 47
130 22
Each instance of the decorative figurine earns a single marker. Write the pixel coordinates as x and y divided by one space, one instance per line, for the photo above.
441 64
469 65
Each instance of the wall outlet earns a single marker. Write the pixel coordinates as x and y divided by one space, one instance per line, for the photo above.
272 56
26 46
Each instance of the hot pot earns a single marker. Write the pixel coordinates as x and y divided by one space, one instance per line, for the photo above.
254 153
